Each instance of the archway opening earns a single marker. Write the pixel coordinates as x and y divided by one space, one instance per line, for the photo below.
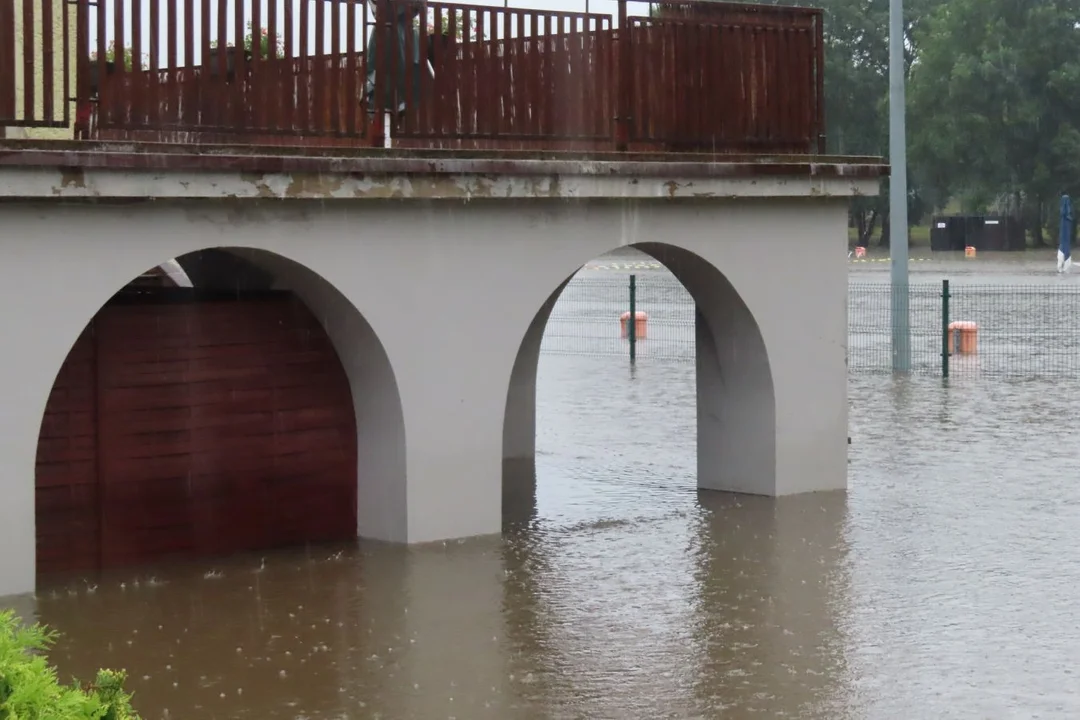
692 405
229 400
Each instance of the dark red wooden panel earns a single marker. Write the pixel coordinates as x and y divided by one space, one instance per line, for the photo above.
205 409
699 76
66 487
220 427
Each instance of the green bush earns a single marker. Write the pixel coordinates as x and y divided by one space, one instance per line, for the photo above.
30 690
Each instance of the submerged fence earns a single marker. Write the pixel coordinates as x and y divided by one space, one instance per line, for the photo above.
1021 331
588 317
957 329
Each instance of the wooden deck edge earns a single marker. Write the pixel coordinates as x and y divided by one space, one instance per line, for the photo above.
368 161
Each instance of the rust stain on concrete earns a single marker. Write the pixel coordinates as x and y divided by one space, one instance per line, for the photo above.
258 181
71 178
448 187
314 185
554 188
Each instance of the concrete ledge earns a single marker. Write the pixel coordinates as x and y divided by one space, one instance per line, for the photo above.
76 183
267 158
34 169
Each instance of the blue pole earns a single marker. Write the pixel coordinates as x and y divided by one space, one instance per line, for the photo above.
1064 256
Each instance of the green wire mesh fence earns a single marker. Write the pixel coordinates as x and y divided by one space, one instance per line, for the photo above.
1013 331
589 317
870 328
1019 330
1016 331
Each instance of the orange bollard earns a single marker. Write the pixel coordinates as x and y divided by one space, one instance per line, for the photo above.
640 324
963 338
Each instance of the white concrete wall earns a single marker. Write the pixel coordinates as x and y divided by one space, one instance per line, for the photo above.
449 291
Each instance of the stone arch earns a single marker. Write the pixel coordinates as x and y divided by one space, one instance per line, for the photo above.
374 457
736 397
519 421
736 403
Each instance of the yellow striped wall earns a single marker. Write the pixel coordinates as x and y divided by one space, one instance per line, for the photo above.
37 35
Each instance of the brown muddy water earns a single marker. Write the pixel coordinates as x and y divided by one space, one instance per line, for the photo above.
943 584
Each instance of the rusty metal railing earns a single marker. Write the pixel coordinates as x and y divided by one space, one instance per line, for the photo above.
715 77
35 56
697 77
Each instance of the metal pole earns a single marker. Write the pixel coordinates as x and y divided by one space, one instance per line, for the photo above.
631 330
898 217
944 328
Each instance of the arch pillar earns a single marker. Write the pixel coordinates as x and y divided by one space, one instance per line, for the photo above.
519 425
736 403
776 319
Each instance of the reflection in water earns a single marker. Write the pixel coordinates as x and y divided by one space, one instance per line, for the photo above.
941 585
772 572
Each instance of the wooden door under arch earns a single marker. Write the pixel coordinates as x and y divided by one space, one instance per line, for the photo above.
188 425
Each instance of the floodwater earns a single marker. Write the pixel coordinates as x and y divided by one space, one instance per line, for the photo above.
943 584
1030 266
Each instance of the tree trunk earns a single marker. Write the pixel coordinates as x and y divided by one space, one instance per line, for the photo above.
866 222
886 230
1038 239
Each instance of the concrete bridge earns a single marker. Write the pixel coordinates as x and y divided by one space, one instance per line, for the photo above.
433 277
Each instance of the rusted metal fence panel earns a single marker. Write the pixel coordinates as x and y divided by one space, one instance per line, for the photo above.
724 78
35 57
710 77
713 77
224 70
466 75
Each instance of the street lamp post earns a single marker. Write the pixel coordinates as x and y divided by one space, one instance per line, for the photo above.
898 215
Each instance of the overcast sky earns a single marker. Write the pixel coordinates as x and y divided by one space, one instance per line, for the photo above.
607 7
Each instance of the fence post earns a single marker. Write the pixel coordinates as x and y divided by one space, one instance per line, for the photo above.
631 330
819 82
81 97
376 115
624 83
944 328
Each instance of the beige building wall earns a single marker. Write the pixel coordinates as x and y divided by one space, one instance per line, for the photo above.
37 35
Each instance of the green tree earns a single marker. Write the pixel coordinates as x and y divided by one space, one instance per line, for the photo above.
995 105
857 94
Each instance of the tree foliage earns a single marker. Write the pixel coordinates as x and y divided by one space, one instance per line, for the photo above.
994 107
30 689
